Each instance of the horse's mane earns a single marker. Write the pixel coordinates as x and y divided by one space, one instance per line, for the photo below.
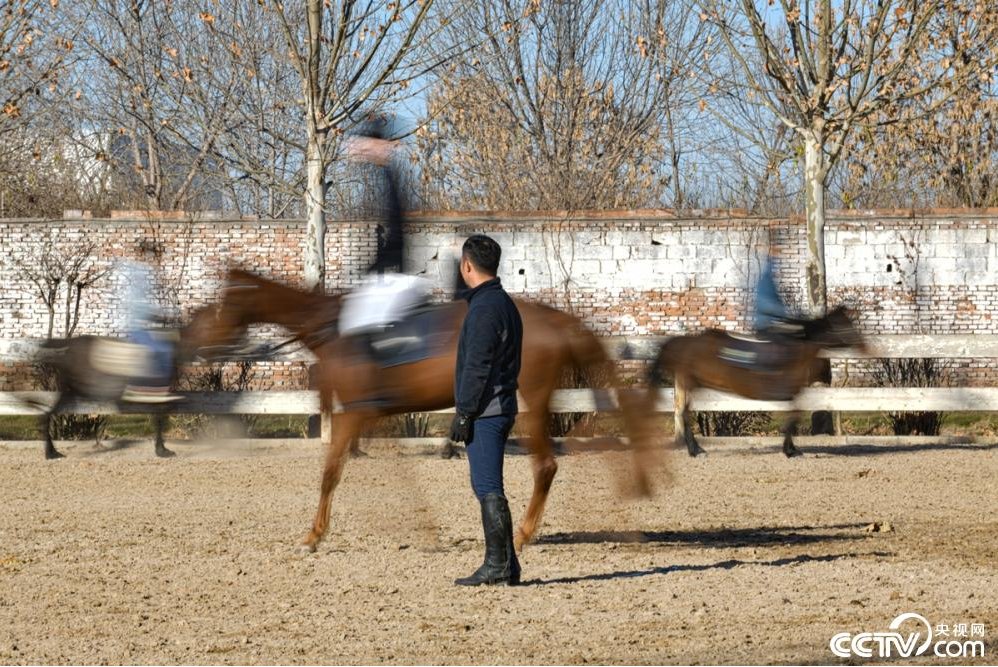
238 275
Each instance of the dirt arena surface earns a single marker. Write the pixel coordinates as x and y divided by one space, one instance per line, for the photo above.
747 557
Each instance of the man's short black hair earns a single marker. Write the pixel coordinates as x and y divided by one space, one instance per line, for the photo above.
483 252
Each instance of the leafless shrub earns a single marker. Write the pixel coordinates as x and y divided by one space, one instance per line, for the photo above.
912 373
726 423
578 423
218 377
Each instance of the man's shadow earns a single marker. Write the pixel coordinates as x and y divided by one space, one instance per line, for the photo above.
722 565
724 538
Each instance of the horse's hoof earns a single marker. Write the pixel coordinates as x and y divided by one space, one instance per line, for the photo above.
519 541
305 549
52 455
638 487
697 451
164 453
791 453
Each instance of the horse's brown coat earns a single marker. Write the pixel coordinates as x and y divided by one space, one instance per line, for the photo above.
552 342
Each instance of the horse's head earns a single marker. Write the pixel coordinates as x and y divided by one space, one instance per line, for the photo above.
251 299
837 330
212 332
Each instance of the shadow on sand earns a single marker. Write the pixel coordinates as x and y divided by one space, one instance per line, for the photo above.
725 538
721 565
874 450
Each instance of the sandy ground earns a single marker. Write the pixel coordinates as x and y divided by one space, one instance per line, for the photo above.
747 557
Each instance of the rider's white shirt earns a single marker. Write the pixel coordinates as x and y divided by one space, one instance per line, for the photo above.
382 300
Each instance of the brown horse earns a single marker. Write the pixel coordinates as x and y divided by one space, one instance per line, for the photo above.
710 360
97 368
552 342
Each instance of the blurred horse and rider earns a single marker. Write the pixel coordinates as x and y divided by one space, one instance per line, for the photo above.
386 347
774 363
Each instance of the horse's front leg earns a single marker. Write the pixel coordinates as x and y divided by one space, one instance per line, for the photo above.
637 408
544 468
159 421
344 429
45 423
684 428
789 429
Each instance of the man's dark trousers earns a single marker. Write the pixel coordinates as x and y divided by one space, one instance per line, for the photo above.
485 454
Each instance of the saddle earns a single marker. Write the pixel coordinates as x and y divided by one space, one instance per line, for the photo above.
767 357
421 335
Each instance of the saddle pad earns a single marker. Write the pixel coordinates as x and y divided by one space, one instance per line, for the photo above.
420 336
755 355
116 357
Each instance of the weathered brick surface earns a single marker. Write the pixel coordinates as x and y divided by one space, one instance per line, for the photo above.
625 273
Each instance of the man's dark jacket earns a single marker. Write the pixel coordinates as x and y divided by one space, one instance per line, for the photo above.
488 353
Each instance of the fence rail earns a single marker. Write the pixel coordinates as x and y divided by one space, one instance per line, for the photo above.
845 399
645 347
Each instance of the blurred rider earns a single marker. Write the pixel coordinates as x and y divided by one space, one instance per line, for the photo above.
386 295
771 317
151 383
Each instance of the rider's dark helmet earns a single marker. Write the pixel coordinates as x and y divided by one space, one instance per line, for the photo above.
375 127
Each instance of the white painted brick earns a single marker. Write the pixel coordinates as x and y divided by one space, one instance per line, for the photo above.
948 250
834 252
583 267
516 251
638 273
972 236
709 251
975 272
671 237
850 237
937 236
651 252
976 250
593 251
681 252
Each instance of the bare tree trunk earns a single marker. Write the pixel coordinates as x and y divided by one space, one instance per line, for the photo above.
69 309
315 196
51 311
315 189
674 155
814 191
154 190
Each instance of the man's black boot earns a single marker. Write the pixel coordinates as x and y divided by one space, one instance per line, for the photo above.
501 565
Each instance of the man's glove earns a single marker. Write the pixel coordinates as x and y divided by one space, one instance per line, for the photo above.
460 428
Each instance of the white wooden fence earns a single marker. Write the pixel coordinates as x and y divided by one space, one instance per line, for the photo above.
844 399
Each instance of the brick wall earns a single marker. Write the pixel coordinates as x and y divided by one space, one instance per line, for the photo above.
626 273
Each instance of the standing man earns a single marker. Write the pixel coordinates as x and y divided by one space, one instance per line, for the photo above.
485 382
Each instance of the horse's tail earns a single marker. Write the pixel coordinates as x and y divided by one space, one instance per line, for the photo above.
586 350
